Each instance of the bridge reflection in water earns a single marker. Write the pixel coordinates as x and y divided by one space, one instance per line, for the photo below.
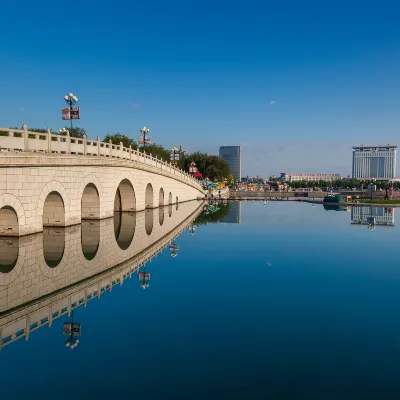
47 275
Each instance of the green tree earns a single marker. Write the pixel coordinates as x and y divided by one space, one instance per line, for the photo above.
156 150
210 166
117 138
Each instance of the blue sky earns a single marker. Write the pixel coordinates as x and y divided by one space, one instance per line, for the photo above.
202 74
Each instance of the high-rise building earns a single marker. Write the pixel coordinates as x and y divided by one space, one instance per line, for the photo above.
374 162
233 156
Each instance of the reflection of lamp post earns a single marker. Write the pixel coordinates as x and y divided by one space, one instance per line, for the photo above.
144 277
73 331
71 99
192 229
144 131
174 248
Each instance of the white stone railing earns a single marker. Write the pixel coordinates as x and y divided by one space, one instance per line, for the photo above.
28 141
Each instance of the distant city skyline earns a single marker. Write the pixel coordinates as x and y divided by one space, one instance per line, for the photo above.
296 84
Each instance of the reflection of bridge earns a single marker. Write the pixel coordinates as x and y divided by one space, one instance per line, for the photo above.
47 275
51 180
377 216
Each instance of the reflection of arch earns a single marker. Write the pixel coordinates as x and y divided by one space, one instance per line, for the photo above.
12 259
161 215
90 239
90 202
161 197
53 246
7 202
125 199
8 254
8 221
170 210
170 198
51 187
149 197
177 202
53 210
124 229
148 221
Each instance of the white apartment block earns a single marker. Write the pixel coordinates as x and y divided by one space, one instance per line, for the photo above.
377 162
294 177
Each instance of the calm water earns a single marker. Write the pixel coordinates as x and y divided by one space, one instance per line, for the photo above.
283 301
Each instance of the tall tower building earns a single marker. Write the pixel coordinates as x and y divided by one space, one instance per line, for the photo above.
377 162
233 156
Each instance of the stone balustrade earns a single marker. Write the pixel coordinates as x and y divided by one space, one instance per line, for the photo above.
14 140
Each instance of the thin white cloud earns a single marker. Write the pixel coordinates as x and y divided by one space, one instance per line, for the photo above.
271 102
22 109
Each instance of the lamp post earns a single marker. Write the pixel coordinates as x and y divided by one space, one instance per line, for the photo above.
144 131
71 99
175 154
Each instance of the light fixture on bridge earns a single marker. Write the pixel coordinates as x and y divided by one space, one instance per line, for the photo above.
71 112
142 139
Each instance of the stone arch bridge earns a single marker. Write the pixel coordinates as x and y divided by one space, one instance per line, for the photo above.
52 180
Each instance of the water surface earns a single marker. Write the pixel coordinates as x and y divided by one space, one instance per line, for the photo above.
283 301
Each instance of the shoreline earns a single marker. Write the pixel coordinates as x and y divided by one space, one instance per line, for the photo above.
353 204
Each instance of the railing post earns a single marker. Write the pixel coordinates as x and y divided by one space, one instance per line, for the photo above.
48 140
110 143
144 156
156 158
84 144
25 129
130 152
98 145
68 143
121 146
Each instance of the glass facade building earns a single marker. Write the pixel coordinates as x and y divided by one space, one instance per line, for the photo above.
233 156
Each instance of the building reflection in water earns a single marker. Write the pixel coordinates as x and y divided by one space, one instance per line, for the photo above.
372 216
234 214
46 276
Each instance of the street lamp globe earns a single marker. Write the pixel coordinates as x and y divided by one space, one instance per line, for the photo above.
70 94
66 98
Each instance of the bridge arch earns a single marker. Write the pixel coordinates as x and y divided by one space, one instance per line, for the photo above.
177 203
149 196
53 206
82 201
170 198
161 197
12 215
90 202
53 210
8 221
125 199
